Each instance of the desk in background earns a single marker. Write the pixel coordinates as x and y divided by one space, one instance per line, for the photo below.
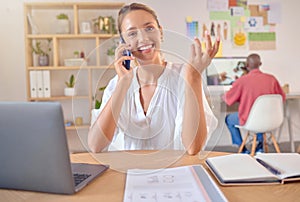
289 97
110 186
220 109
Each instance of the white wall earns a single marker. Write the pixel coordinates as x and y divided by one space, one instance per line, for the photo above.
12 57
283 62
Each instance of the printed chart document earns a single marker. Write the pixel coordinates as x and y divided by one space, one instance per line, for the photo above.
180 184
264 168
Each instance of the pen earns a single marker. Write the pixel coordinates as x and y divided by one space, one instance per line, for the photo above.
270 168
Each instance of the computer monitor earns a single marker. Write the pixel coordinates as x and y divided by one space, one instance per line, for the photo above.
223 71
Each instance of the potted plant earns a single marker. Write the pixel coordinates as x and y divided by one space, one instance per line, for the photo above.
70 90
99 102
76 54
63 24
106 25
42 52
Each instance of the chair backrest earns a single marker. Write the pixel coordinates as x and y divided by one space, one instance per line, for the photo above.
266 114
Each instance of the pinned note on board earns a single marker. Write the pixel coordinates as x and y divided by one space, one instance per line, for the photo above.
192 28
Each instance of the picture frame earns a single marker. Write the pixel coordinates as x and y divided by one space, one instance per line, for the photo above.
86 28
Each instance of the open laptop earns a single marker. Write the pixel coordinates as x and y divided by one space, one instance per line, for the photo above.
34 153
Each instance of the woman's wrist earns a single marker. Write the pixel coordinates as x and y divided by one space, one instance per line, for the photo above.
125 80
192 75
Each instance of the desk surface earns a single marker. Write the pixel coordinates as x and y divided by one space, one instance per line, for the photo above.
110 186
293 95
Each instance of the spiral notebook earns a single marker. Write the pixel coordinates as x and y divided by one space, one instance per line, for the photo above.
264 168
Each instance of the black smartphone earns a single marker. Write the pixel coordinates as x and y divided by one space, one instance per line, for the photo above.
126 52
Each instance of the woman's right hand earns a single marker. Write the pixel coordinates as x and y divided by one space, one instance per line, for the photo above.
119 59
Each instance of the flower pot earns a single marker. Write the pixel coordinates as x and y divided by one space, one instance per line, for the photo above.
62 26
70 92
43 60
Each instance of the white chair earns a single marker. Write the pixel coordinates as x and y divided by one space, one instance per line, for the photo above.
265 115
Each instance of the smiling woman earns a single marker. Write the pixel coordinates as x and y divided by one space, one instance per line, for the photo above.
143 35
155 104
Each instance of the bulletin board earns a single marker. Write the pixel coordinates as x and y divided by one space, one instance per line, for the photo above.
240 25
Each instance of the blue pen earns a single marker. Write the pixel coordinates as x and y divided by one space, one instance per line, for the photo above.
270 168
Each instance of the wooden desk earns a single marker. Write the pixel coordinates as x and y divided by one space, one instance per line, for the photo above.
290 97
223 108
110 186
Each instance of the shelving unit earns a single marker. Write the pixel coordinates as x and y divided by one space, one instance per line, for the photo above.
43 16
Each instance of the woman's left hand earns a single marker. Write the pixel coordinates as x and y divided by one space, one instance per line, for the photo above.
200 59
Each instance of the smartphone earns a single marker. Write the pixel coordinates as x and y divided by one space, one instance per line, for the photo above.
126 52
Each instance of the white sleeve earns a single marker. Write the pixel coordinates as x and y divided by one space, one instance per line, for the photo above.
178 145
105 97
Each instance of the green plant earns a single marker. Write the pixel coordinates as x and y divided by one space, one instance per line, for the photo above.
76 54
39 50
99 102
71 82
62 16
105 25
111 25
111 50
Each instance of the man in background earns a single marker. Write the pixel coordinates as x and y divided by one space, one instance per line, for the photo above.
245 90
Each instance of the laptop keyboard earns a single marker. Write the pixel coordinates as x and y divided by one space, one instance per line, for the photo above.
78 178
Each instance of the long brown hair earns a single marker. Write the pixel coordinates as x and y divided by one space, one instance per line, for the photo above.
132 7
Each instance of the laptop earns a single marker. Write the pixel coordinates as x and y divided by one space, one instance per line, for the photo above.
34 153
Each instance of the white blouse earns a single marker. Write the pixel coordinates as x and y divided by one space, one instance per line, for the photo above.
161 127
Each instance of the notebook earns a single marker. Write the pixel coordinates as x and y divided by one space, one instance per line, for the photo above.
34 153
264 168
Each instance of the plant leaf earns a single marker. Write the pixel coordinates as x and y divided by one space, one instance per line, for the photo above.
72 81
102 88
97 104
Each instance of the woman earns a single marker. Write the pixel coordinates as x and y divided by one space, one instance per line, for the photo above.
157 104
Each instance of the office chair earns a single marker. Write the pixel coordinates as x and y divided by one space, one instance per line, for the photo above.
265 115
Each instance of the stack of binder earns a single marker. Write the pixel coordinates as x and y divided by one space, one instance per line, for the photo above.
40 83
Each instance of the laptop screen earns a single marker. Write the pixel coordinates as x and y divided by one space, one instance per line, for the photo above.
225 70
34 153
